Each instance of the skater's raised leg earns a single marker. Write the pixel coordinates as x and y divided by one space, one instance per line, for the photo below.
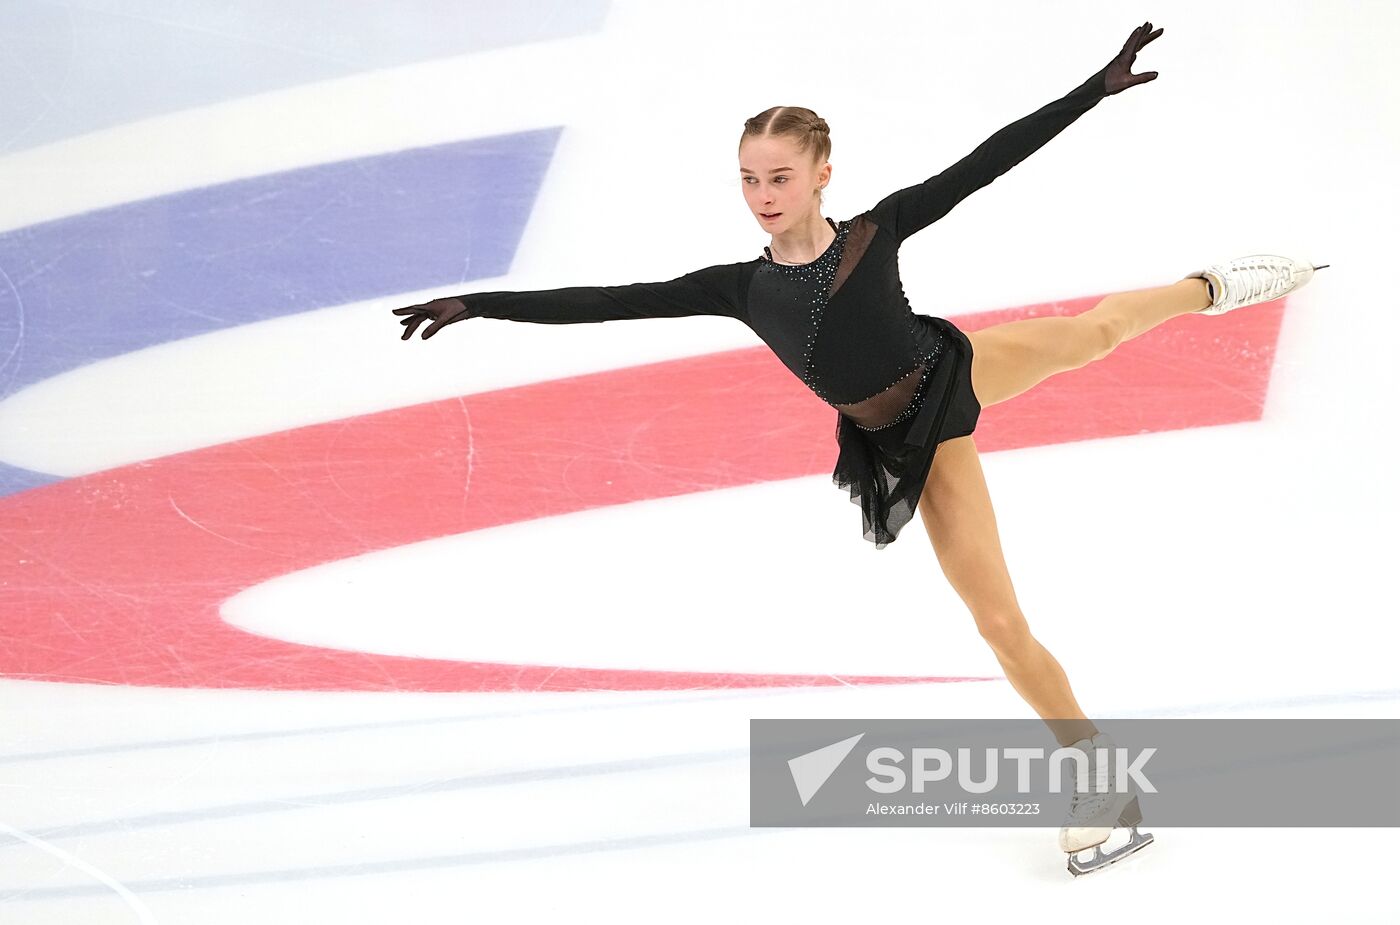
1008 359
957 512
1129 314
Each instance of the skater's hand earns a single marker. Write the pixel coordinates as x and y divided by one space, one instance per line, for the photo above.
441 311
1120 74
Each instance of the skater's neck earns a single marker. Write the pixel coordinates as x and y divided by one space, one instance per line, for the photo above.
803 244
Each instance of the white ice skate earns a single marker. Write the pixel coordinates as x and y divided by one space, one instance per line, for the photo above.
1251 280
1095 811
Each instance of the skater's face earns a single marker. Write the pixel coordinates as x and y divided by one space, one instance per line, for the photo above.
779 181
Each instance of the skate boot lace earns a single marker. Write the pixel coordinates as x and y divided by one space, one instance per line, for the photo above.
1092 802
1258 282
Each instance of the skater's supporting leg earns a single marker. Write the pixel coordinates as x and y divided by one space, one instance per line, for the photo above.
957 513
1008 359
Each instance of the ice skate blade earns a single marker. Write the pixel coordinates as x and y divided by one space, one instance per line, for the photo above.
1136 842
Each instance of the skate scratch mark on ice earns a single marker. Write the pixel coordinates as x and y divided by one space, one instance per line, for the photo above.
277 804
108 594
19 317
132 274
204 528
51 97
326 460
72 630
1249 395
242 36
692 696
471 452
142 913
428 862
36 271
467 260
325 514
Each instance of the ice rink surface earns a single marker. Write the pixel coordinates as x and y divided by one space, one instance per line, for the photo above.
300 622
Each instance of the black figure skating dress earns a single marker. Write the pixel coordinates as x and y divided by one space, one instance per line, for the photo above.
901 382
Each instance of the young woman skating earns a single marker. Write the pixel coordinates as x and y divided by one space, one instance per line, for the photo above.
826 297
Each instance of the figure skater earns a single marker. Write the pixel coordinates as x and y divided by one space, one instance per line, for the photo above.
826 297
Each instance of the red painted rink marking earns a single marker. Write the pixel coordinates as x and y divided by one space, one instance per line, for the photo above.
103 580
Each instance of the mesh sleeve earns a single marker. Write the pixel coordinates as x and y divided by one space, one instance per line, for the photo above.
913 208
710 291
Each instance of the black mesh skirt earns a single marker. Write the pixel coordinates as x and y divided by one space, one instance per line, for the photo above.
884 469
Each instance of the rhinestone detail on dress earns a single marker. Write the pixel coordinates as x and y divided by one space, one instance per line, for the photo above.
816 276
927 360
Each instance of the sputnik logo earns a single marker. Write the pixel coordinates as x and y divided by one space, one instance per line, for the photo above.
812 770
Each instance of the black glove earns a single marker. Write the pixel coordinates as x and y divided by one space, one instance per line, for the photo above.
1119 74
441 311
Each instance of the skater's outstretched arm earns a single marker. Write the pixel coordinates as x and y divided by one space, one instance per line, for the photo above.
709 291
913 208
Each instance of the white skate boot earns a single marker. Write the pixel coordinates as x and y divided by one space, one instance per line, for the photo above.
1250 280
1094 812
